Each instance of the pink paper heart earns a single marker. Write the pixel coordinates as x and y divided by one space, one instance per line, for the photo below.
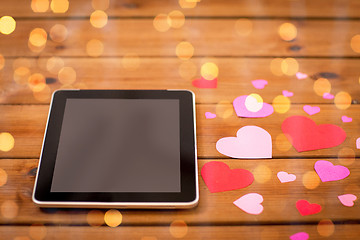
328 172
328 96
286 93
242 111
358 143
346 119
285 177
347 199
259 83
300 236
300 75
250 142
209 115
250 203
311 110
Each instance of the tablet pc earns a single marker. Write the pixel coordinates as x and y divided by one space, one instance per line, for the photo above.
119 149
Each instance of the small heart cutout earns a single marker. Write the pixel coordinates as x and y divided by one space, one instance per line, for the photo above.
311 110
328 96
328 172
259 83
242 111
300 236
305 208
300 75
346 119
358 143
347 199
250 203
285 177
203 83
286 93
209 115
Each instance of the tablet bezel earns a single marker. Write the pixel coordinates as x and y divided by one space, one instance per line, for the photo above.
187 197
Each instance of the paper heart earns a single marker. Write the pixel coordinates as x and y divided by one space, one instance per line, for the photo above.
203 83
218 177
300 236
347 199
286 93
242 111
305 135
300 75
285 177
346 119
209 115
305 208
311 110
250 142
259 83
328 172
250 203
358 143
328 96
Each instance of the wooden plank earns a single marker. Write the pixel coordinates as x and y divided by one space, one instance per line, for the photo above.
235 76
27 125
214 208
260 8
210 37
346 231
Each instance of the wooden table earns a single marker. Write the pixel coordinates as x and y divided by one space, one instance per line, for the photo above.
242 39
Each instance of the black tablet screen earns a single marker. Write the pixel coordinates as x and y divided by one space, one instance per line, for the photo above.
119 145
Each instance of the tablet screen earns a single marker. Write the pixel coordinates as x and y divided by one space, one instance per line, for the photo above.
118 145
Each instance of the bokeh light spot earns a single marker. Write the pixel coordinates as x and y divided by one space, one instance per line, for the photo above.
94 48
187 3
310 180
9 209
58 33
100 4
54 64
346 156
98 19
275 66
67 75
130 61
342 100
281 104
43 95
209 70
37 231
21 75
224 109
7 25
187 70
38 37
325 228
37 82
40 5
355 43
113 218
254 102
21 62
184 50
282 142
262 174
289 66
287 31
95 218
2 61
3 177
176 19
161 23
321 86
7 141
243 27
59 6
178 229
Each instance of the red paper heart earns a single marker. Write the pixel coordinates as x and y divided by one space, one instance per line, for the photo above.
305 208
203 83
305 135
219 177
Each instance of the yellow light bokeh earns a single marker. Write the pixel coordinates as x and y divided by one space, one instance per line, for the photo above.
224 109
161 23
9 209
310 180
346 156
21 75
113 218
98 19
38 37
287 31
275 66
7 25
209 71
262 174
325 228
59 6
187 70
37 82
178 228
187 3
176 19
94 48
54 64
67 75
7 142
58 33
37 232
243 27
2 61
355 43
289 66
40 5
281 104
321 86
3 177
130 61
43 95
95 218
342 100
282 143
100 4
184 50
254 102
